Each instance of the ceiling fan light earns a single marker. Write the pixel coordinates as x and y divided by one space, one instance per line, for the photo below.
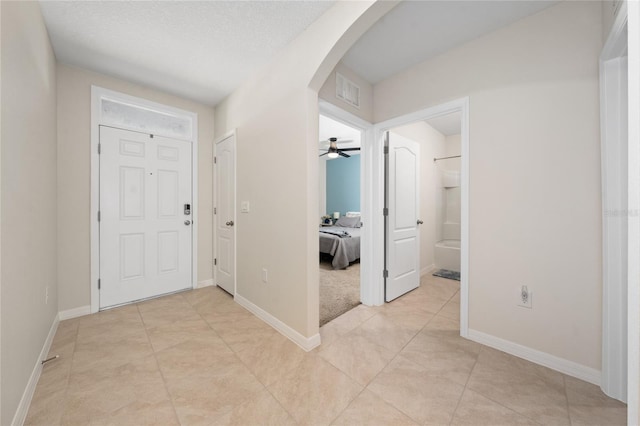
332 155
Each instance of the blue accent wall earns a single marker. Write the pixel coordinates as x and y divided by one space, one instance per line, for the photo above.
343 185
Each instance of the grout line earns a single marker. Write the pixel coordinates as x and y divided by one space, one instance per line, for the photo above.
566 398
155 357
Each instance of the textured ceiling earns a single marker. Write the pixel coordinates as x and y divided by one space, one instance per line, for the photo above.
201 50
415 31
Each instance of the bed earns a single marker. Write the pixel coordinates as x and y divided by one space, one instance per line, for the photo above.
341 242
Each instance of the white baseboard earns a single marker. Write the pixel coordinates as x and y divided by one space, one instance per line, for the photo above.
553 362
306 343
23 407
427 269
74 313
206 283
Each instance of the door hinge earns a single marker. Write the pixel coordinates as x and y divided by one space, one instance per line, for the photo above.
215 210
99 283
386 149
385 274
99 148
215 160
385 211
99 216
215 262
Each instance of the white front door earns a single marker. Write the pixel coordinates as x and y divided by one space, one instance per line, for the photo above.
145 231
225 214
403 236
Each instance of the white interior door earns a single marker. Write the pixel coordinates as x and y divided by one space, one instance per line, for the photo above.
145 229
403 202
225 214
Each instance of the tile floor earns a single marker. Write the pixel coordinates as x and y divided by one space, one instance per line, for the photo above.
199 358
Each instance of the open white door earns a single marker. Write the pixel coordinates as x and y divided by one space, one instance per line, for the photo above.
145 216
403 203
225 214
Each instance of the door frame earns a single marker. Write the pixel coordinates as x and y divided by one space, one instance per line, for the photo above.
366 214
98 94
375 170
614 188
231 133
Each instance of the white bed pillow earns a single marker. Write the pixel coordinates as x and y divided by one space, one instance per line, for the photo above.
352 214
349 222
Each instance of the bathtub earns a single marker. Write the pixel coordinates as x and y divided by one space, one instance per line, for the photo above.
447 255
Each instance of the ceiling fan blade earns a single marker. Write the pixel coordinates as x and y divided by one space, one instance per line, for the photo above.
343 154
323 154
349 149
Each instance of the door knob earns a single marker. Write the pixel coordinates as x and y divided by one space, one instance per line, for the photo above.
420 222
187 222
230 223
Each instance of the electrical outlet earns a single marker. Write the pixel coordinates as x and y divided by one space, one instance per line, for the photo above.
525 297
265 275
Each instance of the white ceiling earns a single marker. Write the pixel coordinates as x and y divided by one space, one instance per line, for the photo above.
200 50
448 125
415 31
348 137
203 50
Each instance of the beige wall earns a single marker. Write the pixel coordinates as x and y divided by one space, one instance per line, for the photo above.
534 173
432 144
28 196
328 93
74 171
276 108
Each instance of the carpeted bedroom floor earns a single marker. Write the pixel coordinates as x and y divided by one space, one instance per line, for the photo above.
339 289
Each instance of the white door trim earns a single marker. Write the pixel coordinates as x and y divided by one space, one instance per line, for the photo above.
633 274
98 94
231 133
366 247
375 168
613 118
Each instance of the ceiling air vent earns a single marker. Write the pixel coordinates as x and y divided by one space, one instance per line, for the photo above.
347 90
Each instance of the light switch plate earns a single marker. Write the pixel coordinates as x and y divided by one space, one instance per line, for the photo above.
244 207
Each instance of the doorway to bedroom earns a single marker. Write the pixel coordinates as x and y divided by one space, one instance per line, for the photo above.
339 217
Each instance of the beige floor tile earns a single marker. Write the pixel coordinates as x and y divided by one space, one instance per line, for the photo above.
391 331
452 309
99 353
194 357
598 416
475 409
368 409
172 301
169 315
137 413
244 334
210 353
411 389
580 392
165 336
272 358
529 389
201 295
200 398
316 392
46 406
329 333
260 410
450 357
97 393
357 357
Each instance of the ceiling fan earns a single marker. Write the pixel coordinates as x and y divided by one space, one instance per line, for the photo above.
334 151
